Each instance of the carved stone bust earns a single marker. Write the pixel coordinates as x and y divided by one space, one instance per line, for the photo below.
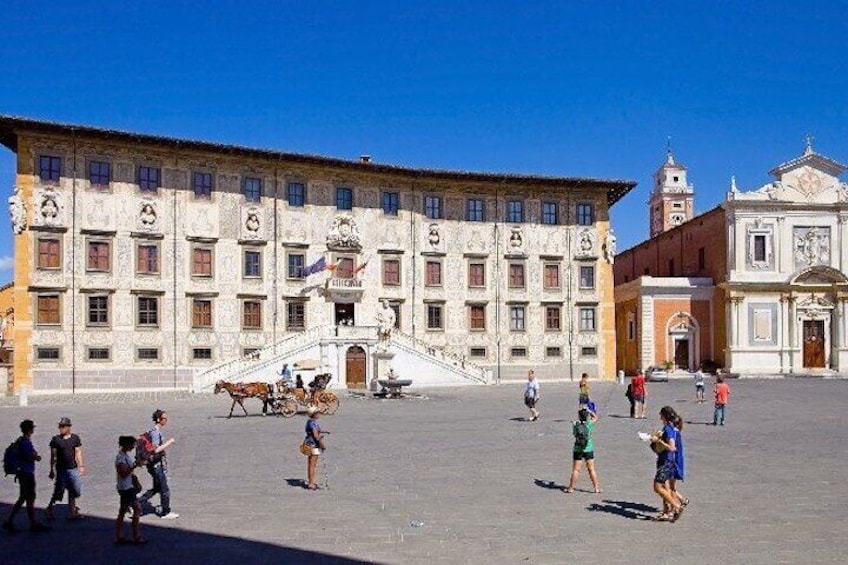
344 234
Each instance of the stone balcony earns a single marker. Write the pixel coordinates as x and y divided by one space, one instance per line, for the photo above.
344 290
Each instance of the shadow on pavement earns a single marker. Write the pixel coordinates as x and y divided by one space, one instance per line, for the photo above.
552 485
91 541
630 510
519 419
694 423
296 483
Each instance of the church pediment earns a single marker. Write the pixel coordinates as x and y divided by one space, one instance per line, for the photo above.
809 178
821 275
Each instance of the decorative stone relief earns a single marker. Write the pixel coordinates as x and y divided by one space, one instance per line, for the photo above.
434 238
17 212
609 247
147 218
252 223
49 207
201 225
842 192
515 244
585 339
475 242
586 240
812 246
344 234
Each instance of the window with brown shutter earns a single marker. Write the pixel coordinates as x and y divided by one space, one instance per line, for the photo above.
345 268
252 315
201 264
295 316
516 275
48 254
391 272
553 318
201 313
477 274
433 273
147 259
48 309
98 256
551 278
477 316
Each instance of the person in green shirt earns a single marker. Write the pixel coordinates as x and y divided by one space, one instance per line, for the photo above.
584 448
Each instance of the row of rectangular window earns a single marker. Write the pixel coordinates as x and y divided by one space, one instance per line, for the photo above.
150 179
95 354
98 259
521 352
147 313
587 318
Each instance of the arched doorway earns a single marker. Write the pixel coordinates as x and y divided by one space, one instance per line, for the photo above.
683 347
355 367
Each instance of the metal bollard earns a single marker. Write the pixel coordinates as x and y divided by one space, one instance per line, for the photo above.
23 396
620 377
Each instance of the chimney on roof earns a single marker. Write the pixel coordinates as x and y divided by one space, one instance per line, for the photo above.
365 158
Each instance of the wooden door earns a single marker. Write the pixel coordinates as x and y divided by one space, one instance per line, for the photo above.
355 367
681 354
814 343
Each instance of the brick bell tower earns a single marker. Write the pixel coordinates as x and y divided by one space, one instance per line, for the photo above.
672 199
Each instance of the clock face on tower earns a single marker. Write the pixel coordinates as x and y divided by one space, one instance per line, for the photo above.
677 219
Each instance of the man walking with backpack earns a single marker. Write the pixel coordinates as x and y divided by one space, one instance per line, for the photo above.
20 458
157 465
584 448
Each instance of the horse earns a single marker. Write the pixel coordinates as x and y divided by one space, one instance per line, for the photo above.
239 391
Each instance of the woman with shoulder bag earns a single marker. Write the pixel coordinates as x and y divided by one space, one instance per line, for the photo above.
128 488
313 445
664 444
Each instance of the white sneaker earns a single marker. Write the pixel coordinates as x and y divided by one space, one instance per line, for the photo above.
170 516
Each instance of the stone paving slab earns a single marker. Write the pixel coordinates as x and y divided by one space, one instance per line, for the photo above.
766 488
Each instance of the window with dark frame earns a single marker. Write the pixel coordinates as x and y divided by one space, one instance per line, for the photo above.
49 169
760 248
516 275
477 275
295 315
434 316
48 353
201 313
344 198
550 213
391 272
702 259
202 184
148 178
252 315
551 276
553 352
147 353
99 354
147 259
98 258
477 352
517 318
391 203
98 310
433 207
201 353
515 211
433 273
585 214
148 311
588 351
295 265
587 320
395 306
518 352
296 194
252 189
475 210
477 317
587 276
553 318
252 264
49 312
345 269
201 264
49 253
99 173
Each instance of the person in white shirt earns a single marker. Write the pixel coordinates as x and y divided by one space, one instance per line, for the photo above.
125 465
699 386
531 395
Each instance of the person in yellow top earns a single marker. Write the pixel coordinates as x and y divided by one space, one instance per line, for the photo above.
584 390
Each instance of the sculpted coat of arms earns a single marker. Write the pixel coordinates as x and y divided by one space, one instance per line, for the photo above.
344 234
812 247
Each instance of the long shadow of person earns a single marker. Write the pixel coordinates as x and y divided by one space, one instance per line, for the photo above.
552 485
630 510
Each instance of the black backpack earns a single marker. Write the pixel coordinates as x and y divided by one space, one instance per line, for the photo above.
581 436
12 458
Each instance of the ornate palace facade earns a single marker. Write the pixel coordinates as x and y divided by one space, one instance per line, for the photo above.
143 261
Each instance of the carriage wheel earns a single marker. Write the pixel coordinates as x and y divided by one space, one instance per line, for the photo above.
329 403
289 407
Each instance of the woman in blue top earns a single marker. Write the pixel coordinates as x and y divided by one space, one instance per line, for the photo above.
665 446
314 440
679 460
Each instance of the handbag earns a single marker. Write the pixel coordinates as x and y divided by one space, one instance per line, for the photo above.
305 448
136 484
656 446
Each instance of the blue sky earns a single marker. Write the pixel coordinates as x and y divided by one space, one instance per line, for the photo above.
559 88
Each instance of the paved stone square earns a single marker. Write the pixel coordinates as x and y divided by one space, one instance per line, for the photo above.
459 477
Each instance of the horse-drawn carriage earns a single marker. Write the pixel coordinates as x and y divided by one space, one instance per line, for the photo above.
283 397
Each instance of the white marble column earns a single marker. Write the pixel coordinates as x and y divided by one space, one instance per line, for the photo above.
791 330
781 333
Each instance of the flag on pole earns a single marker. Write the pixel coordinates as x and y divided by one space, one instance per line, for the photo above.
315 267
362 266
334 266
